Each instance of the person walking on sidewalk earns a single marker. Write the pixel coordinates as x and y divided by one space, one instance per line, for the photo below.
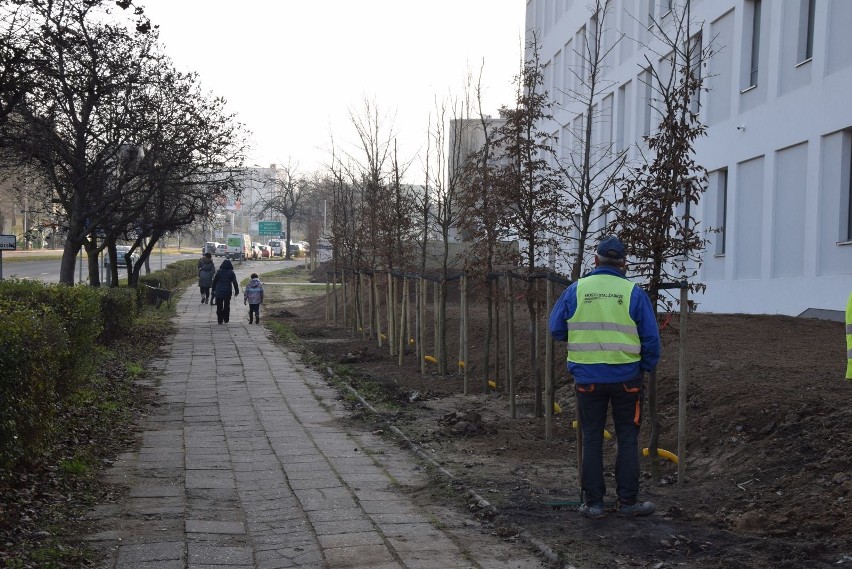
222 282
206 270
253 296
613 339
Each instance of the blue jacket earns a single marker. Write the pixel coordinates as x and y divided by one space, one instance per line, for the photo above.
641 312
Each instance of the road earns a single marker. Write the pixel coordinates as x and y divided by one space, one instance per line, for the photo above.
36 267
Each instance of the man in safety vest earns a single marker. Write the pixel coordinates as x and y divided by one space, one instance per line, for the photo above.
849 337
613 339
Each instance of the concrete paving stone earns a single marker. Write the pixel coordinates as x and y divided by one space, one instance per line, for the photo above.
324 481
163 438
358 556
437 544
397 506
154 551
350 462
153 490
198 441
208 526
309 559
441 562
304 462
277 562
270 474
208 555
209 479
175 564
340 514
223 566
343 526
174 462
167 507
208 462
415 530
350 539
258 458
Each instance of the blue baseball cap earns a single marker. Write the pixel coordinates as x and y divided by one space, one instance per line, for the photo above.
611 248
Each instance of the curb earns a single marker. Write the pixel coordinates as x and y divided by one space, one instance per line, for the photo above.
545 551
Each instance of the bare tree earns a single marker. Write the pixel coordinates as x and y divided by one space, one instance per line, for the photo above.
288 188
529 189
590 169
479 219
448 138
653 212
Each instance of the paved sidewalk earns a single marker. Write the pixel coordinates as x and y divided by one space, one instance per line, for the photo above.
246 464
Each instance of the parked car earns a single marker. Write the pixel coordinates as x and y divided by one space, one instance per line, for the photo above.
276 246
255 250
210 247
240 247
265 251
295 249
121 259
221 250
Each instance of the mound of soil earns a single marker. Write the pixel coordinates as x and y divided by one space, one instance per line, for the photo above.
768 477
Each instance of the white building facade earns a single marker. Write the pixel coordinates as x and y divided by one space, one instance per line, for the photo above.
778 147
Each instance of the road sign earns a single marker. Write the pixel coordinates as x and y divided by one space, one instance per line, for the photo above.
8 243
268 227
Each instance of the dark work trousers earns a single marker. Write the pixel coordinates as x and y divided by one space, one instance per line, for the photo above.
593 401
223 309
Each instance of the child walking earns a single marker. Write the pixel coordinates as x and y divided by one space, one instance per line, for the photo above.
253 296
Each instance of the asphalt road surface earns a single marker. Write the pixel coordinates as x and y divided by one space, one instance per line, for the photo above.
47 270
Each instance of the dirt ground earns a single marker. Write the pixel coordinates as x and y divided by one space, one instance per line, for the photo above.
768 476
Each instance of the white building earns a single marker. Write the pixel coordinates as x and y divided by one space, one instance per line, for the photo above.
779 139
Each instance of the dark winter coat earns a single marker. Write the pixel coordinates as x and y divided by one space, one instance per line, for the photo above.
206 270
223 280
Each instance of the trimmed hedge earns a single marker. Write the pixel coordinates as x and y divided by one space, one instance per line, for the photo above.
34 347
48 339
79 310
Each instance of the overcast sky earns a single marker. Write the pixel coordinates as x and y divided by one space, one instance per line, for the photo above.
293 70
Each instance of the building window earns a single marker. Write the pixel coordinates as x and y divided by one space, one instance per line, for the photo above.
806 30
846 182
721 210
754 57
648 109
652 4
695 55
621 132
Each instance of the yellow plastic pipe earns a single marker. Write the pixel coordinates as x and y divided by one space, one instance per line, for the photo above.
492 385
430 359
663 453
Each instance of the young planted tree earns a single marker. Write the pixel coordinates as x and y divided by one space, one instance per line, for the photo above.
480 218
529 190
590 168
448 137
653 211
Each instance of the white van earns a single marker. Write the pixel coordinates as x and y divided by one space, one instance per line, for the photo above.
277 247
239 246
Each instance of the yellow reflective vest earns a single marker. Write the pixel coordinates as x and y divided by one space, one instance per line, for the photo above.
849 337
601 330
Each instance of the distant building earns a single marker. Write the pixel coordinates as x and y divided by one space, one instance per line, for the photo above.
779 139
